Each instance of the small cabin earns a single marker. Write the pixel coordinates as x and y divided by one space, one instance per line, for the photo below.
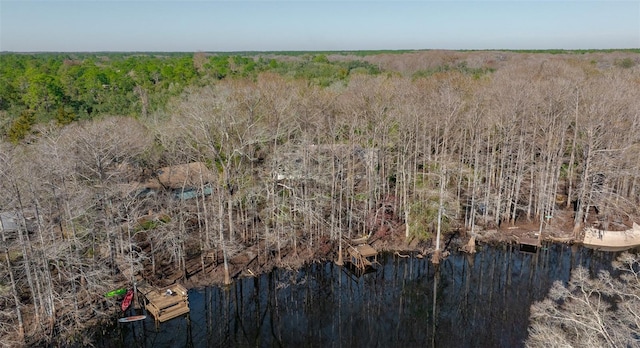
13 221
189 175
189 193
182 181
8 222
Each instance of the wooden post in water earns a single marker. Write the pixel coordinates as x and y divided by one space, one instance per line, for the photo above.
340 261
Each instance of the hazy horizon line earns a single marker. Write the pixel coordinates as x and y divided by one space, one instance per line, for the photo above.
336 51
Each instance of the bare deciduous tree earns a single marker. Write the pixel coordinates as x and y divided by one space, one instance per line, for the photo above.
602 311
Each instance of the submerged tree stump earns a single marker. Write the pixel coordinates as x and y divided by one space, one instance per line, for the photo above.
436 257
470 247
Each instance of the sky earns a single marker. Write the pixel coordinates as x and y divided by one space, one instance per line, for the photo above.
304 25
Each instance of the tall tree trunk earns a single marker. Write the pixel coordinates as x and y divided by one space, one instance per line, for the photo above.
570 170
227 277
27 260
14 288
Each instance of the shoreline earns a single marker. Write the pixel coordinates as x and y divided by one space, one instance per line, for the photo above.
247 264
391 243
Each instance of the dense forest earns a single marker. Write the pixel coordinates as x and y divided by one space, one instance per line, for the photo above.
115 166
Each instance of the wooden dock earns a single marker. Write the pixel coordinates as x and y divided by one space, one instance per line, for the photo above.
363 256
165 303
529 245
612 240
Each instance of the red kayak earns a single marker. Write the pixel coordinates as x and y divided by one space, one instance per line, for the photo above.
126 302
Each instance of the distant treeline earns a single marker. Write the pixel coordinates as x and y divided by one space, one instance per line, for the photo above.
38 88
64 87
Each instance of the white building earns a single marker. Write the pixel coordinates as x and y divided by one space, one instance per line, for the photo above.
8 222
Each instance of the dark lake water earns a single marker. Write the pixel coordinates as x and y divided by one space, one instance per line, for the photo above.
479 300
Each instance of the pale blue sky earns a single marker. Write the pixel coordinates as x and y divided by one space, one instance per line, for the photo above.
161 25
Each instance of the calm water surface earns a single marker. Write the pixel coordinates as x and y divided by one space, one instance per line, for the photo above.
479 300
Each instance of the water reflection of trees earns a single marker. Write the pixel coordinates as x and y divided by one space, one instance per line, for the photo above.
480 300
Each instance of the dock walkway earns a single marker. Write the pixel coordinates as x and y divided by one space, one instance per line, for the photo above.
529 245
361 255
612 240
